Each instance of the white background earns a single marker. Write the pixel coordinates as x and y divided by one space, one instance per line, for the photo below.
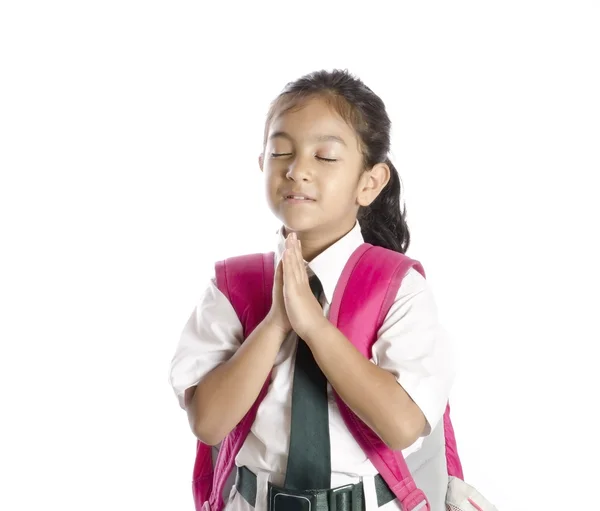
129 136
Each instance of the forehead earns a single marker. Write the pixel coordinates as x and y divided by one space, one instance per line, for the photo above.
314 116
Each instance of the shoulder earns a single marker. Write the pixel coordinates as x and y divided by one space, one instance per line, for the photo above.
414 302
382 254
413 282
244 264
243 260
408 269
244 255
413 294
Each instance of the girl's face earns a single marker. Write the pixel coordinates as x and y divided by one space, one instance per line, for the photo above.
313 168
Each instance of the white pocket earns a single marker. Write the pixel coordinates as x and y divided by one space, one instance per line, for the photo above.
463 497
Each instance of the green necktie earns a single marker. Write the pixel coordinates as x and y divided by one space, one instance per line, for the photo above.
309 456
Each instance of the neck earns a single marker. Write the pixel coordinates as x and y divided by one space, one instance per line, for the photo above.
316 241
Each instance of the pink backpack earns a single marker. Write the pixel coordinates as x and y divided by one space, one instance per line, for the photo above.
362 298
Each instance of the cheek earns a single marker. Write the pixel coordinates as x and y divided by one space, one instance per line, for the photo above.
272 183
274 178
340 188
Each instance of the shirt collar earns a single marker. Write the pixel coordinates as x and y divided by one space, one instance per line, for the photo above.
329 264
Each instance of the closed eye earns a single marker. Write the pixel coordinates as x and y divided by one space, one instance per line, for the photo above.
277 155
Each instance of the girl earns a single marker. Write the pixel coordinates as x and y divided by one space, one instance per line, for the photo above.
331 184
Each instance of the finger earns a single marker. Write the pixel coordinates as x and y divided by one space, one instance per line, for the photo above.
286 252
288 240
301 264
288 270
292 263
279 272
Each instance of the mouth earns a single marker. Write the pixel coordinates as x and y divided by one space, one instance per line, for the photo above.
297 198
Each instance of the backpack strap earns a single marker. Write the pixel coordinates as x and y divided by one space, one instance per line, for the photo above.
452 458
247 282
359 315
203 474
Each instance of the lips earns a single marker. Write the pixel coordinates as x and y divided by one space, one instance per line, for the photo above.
298 196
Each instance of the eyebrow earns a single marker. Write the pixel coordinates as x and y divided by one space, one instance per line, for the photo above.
316 138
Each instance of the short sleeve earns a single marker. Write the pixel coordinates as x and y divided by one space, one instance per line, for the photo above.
415 348
210 337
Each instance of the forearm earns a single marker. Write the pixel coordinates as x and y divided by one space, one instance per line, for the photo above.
226 394
372 393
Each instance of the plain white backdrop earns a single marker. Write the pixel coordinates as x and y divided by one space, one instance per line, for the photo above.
129 136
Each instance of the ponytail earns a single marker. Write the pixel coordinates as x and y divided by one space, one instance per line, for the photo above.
383 223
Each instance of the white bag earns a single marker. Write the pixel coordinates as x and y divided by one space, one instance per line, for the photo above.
463 497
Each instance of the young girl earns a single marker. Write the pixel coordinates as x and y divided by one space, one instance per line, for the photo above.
331 184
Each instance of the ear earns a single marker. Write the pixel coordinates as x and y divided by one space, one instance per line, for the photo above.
371 183
261 160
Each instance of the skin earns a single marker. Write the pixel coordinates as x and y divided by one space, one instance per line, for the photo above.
311 151
294 160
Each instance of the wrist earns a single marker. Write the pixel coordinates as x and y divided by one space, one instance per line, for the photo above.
275 327
316 331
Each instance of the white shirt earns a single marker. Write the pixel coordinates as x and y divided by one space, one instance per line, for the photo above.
411 344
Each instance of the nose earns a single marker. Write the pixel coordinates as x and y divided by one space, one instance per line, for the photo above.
299 170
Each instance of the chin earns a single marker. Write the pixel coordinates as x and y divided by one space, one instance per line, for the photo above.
299 223
298 226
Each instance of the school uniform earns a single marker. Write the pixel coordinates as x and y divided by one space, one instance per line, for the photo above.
411 344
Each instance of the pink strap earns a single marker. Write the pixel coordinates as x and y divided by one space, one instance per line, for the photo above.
381 271
203 474
247 281
452 459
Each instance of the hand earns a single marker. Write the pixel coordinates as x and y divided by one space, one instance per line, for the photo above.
277 315
303 310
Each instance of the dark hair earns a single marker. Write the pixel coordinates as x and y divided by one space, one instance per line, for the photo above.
383 222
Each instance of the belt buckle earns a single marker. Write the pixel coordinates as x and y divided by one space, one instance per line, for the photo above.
282 499
350 489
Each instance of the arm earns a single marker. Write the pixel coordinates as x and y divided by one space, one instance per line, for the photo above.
402 395
404 390
214 375
371 392
224 396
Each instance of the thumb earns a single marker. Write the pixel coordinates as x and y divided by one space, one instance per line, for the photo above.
279 273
